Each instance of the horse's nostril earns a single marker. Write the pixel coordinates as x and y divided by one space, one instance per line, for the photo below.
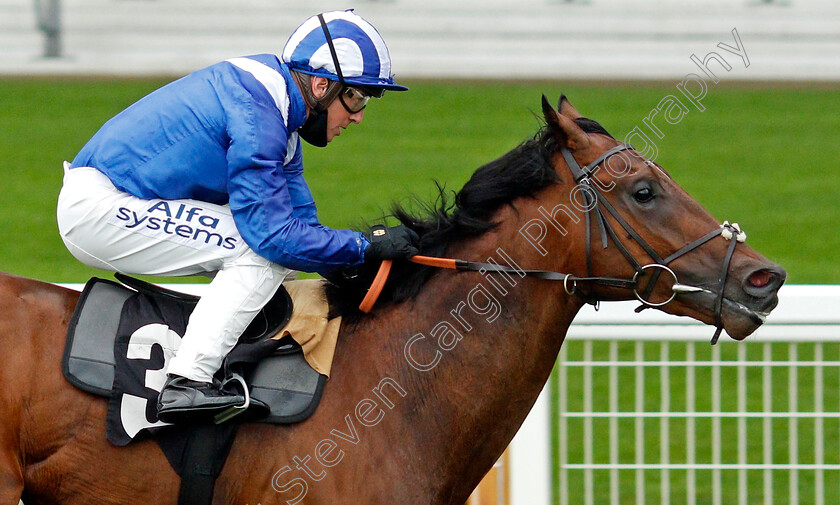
761 278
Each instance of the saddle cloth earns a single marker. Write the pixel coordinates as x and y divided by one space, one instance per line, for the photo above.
120 339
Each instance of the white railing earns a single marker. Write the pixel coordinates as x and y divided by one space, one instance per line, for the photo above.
646 412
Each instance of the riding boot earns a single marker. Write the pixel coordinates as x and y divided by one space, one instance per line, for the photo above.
183 400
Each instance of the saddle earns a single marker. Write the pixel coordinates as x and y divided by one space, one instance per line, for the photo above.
121 335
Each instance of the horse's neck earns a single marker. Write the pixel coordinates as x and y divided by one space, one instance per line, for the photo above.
478 392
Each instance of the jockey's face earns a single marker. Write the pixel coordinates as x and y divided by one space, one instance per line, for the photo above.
338 117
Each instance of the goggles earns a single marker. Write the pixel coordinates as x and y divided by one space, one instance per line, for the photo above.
353 100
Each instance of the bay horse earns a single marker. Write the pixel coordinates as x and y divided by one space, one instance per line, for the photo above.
430 387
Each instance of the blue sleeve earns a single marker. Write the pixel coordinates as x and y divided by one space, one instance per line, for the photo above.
302 200
260 193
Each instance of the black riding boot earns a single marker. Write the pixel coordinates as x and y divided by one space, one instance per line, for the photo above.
182 400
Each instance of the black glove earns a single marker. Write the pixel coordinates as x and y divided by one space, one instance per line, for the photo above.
391 243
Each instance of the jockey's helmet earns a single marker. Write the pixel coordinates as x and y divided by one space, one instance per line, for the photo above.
343 47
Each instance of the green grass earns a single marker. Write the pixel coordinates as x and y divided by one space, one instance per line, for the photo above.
765 156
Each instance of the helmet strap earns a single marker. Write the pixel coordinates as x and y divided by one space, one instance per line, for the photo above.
332 49
304 82
314 129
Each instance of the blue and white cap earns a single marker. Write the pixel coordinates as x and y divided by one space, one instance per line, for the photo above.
361 52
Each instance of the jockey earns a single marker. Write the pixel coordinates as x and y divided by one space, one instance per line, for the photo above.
205 176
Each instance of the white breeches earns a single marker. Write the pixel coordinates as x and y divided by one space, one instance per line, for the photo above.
109 229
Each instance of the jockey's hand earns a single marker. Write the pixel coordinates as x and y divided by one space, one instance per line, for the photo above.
391 243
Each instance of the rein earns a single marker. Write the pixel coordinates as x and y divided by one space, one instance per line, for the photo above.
595 202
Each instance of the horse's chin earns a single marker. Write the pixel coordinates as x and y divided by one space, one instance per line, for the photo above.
739 319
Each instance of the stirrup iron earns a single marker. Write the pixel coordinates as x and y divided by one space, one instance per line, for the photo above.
231 412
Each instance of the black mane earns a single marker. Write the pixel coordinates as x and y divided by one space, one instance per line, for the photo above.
522 172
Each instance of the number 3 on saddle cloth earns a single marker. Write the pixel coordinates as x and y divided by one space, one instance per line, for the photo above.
120 340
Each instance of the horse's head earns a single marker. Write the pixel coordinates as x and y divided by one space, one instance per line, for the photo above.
633 215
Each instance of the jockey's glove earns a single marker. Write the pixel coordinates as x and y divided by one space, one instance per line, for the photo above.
391 243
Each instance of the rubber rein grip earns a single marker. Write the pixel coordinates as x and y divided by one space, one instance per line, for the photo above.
385 269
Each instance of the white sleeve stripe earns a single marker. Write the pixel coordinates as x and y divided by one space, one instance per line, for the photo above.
271 80
291 148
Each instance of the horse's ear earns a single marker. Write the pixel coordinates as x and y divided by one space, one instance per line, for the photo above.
566 108
564 129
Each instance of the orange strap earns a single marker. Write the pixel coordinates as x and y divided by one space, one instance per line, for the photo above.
376 286
385 268
434 262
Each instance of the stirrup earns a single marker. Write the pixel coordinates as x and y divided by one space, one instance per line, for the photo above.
231 412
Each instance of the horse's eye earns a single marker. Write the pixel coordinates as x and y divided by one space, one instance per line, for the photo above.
643 195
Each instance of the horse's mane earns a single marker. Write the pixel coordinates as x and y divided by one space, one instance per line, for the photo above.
522 172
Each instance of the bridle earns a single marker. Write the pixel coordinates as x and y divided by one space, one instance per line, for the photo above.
583 176
597 208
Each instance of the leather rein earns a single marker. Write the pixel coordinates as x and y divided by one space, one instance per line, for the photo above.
597 208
